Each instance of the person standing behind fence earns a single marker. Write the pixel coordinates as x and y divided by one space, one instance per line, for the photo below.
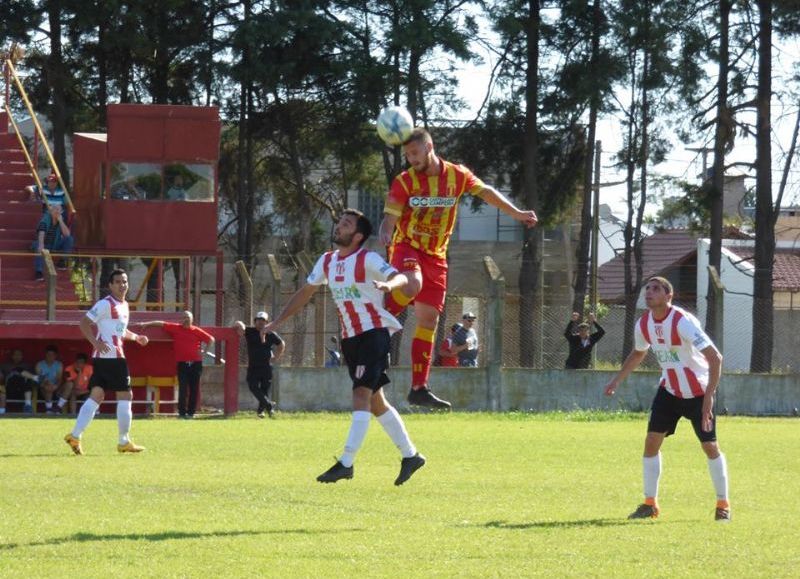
466 340
260 356
581 344
110 317
448 356
188 343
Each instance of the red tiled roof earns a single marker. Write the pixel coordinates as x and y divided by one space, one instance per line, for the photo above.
785 268
659 252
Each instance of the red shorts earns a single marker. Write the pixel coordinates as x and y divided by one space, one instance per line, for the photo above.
434 272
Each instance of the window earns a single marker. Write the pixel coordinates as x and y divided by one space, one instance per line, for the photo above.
154 182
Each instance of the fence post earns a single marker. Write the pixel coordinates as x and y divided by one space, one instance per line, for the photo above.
306 265
247 285
52 284
496 293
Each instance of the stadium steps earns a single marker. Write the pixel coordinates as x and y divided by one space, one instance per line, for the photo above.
18 220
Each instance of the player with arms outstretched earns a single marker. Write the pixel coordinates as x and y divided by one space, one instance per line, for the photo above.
358 279
420 214
691 367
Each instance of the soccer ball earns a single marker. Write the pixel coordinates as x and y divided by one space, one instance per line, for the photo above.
395 125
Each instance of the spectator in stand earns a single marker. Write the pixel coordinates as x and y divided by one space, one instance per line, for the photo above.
49 372
76 383
466 340
18 382
189 344
177 192
52 192
448 355
52 234
334 356
259 360
129 190
581 343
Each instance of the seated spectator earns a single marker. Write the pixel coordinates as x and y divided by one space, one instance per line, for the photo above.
334 359
53 192
76 383
49 372
52 234
177 192
581 343
18 381
448 351
129 190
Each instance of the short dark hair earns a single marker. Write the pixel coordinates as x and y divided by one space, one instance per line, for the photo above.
51 348
363 225
113 274
663 282
81 356
419 135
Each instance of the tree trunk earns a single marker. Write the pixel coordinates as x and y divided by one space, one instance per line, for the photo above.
530 326
716 192
761 353
55 78
244 128
585 239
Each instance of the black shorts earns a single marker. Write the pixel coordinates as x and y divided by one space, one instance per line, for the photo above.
110 374
367 358
667 410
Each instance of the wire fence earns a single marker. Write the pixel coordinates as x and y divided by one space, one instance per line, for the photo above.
309 334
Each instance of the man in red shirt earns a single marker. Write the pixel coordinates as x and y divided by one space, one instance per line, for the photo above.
448 357
419 217
188 343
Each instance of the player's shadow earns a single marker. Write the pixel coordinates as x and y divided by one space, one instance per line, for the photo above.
556 524
165 536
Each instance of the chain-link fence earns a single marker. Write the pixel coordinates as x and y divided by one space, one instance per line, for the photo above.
541 343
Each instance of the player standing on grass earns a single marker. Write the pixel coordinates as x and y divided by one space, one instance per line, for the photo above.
110 317
691 367
420 214
358 279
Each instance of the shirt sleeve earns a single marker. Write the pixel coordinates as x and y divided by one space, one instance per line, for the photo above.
317 275
201 334
690 330
170 327
639 343
275 339
472 184
378 268
44 223
397 198
98 312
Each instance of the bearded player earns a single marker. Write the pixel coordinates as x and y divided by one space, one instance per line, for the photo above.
420 214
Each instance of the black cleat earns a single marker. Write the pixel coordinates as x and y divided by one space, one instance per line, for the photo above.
424 397
722 515
336 472
644 511
409 466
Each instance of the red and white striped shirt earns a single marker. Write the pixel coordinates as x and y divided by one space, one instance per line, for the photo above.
359 302
677 341
111 319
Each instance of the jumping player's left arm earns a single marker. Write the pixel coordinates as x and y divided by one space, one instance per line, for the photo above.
496 199
714 359
384 276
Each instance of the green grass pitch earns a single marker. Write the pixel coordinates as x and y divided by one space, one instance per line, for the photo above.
503 495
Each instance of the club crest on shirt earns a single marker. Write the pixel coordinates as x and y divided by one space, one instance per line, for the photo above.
660 332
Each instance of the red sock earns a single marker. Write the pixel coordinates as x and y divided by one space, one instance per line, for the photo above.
421 352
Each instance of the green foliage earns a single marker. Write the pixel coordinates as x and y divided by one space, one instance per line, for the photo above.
514 494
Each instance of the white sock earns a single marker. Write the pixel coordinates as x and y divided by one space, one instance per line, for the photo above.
718 468
84 417
62 402
124 419
651 471
48 405
394 427
27 398
2 410
355 438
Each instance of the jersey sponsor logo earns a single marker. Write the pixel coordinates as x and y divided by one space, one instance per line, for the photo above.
432 202
667 357
346 293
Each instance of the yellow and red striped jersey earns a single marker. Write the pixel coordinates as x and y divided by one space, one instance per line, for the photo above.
426 206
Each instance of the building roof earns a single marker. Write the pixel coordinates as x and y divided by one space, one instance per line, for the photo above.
785 268
660 251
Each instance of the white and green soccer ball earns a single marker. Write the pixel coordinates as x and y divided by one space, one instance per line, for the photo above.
395 125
